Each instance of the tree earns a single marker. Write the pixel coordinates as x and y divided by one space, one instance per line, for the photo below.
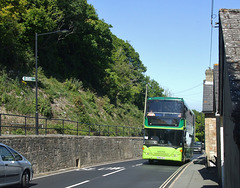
11 50
89 52
86 52
200 126
154 90
124 77
20 20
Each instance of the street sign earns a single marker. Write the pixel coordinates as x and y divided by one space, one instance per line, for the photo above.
28 79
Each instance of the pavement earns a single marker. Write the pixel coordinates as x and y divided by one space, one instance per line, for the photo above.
196 175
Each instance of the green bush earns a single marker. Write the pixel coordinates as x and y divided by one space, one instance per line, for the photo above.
45 107
73 84
18 131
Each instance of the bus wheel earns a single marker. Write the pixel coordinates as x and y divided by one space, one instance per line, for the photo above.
150 161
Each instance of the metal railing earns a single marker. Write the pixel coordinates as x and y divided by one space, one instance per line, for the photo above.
11 124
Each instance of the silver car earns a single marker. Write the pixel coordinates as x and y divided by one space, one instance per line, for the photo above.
14 168
198 147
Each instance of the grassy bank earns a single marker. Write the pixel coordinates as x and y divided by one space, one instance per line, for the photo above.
66 99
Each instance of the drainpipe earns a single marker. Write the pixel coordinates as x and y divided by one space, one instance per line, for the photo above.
222 152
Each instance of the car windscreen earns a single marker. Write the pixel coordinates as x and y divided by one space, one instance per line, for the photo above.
197 144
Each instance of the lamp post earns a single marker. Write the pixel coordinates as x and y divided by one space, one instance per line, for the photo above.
36 69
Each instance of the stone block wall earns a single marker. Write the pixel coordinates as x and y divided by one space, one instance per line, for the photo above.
52 153
210 139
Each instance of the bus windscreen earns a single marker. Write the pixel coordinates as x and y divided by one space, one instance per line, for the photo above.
164 137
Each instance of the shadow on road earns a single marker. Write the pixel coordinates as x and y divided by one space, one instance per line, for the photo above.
32 184
164 163
19 186
209 173
200 160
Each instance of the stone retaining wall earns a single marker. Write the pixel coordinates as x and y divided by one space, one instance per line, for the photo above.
52 153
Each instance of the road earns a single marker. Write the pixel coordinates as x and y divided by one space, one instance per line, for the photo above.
134 174
137 173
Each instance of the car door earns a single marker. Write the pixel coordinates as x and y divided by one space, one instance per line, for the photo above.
12 167
2 172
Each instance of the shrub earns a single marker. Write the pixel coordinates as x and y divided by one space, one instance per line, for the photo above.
73 84
45 107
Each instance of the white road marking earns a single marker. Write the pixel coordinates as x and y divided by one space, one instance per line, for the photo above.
137 165
78 184
111 168
89 169
113 172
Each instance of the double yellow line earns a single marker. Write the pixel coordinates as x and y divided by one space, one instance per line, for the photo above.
175 175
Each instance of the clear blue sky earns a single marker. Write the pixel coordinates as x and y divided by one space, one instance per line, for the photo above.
172 38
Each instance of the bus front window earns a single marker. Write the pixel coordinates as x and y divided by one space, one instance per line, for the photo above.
164 137
164 106
164 113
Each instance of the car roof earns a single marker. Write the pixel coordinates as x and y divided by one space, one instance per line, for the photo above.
1 144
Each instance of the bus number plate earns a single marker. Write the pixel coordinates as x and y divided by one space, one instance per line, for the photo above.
160 157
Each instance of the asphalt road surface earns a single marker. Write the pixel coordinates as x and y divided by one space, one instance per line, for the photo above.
137 173
133 174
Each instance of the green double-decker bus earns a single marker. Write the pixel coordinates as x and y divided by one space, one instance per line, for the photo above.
168 130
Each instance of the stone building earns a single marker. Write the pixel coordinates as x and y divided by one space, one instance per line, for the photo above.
221 102
228 126
210 120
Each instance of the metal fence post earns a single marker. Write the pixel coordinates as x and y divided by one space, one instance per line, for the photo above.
77 128
25 125
46 126
63 126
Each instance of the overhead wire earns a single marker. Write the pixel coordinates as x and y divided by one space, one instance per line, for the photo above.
210 50
188 89
213 16
192 94
211 35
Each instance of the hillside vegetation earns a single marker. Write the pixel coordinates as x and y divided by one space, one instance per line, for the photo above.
87 74
67 100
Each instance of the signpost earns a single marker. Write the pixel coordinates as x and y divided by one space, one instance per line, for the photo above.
28 79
